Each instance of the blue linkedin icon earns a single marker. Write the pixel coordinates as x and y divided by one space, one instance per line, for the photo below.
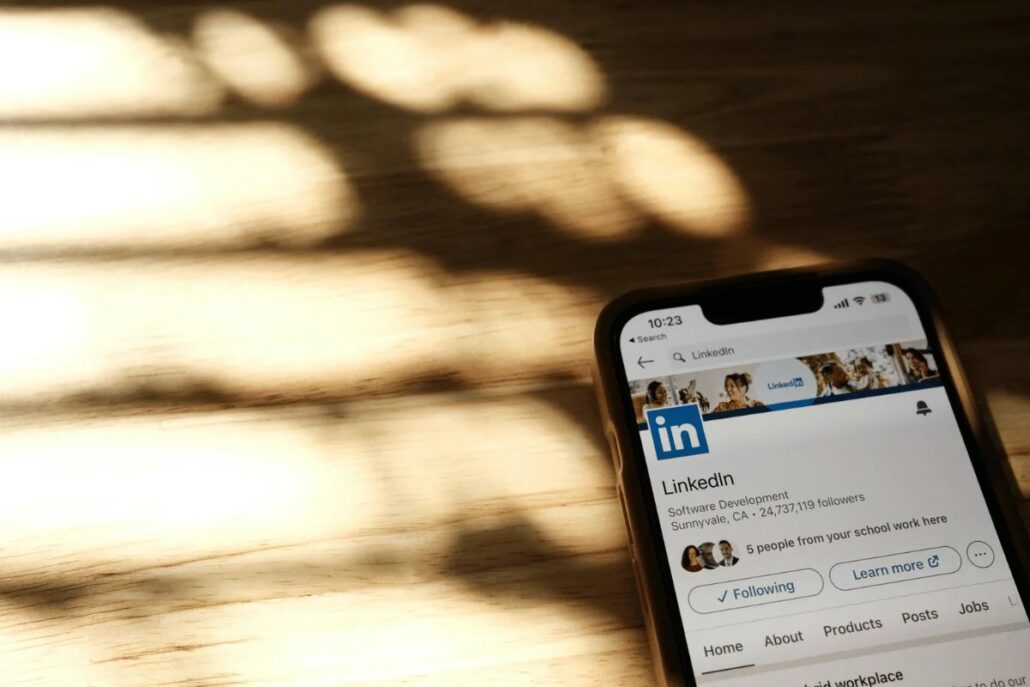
677 431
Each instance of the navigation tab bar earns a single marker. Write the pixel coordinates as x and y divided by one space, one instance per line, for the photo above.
794 636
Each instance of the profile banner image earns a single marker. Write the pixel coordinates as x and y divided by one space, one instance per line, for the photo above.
778 384
677 431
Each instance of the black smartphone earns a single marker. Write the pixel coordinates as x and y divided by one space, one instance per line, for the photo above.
813 496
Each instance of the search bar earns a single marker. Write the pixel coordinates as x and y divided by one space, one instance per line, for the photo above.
789 344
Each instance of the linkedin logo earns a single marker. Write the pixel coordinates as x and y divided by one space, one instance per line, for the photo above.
795 383
677 431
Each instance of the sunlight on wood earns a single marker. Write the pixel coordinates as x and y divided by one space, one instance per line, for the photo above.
673 176
601 180
433 629
630 662
514 67
427 634
186 485
251 58
782 257
274 325
288 545
27 658
194 488
530 164
137 187
402 61
430 58
99 62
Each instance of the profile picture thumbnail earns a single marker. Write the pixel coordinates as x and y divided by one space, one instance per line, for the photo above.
709 556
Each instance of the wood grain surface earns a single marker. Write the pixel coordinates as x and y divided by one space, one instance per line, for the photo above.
298 300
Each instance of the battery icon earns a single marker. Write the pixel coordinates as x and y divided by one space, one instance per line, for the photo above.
880 298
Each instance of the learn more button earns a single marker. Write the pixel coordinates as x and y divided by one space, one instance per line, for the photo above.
895 567
755 591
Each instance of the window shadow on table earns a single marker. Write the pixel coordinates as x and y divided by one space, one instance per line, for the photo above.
846 158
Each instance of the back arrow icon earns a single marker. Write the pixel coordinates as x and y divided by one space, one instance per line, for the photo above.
641 362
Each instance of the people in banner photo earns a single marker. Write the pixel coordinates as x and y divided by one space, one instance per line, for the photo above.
691 395
865 378
737 385
657 396
836 380
918 365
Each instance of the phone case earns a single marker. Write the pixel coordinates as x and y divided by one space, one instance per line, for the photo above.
654 580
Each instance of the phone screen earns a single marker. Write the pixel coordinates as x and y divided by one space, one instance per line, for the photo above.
819 512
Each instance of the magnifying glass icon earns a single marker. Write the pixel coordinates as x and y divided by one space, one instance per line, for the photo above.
678 357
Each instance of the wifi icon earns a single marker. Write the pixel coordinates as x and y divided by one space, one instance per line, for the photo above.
858 299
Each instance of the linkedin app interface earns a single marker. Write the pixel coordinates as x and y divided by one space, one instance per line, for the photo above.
818 506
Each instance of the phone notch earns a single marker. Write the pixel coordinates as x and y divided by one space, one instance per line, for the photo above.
794 295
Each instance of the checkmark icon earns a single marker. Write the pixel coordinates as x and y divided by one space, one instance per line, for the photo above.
722 597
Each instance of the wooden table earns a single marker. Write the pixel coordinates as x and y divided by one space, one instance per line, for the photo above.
298 301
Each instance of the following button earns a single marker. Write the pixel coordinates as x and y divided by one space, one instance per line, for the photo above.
755 591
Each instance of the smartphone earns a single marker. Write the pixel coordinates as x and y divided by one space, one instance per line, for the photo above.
812 496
